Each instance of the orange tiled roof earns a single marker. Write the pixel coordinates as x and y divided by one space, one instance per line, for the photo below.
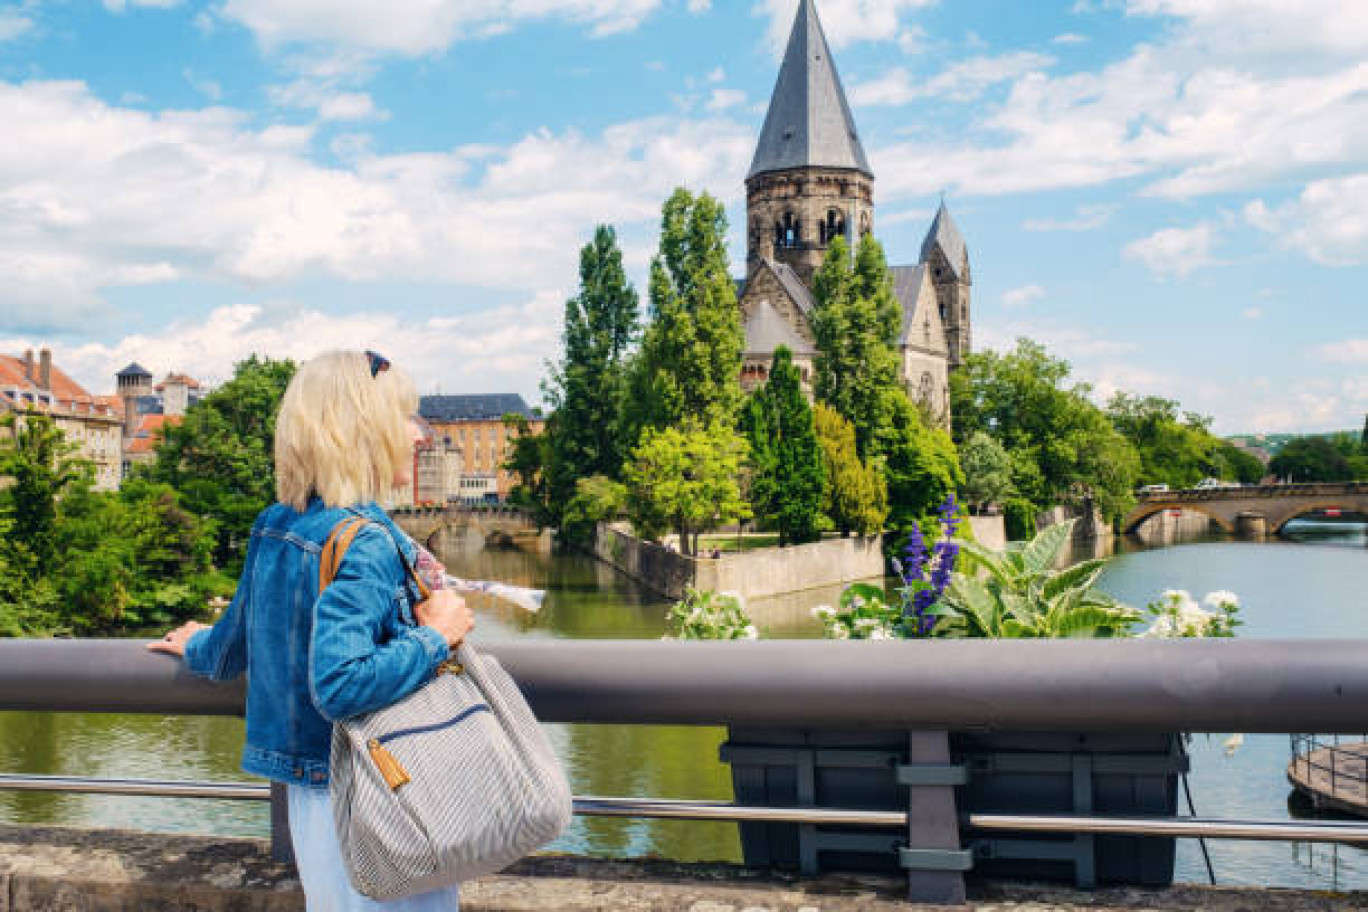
184 379
63 387
148 432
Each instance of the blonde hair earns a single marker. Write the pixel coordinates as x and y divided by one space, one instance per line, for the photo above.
341 433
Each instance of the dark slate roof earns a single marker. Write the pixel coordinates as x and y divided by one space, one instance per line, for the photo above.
809 122
945 233
135 370
489 407
766 330
907 281
799 293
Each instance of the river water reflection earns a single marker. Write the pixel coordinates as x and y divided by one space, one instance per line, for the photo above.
1317 586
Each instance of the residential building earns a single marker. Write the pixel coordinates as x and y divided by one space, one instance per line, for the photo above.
475 426
147 409
93 423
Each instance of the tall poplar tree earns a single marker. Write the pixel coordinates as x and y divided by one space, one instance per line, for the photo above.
856 323
588 387
854 495
689 364
786 457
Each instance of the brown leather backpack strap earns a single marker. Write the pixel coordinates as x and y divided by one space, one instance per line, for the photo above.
335 548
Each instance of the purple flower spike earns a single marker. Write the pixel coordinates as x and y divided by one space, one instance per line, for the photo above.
915 552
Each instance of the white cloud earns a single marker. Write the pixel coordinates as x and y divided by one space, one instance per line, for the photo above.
1174 252
722 99
1086 218
415 27
699 6
961 82
501 348
717 75
88 189
13 23
844 21
1349 351
1023 296
327 98
1252 313
1329 221
1192 114
1070 38
209 88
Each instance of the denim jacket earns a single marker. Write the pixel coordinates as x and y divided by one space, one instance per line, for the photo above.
311 659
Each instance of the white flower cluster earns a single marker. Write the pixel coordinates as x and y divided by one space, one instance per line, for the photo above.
1177 615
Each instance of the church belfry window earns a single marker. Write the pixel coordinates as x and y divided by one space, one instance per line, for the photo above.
788 231
833 226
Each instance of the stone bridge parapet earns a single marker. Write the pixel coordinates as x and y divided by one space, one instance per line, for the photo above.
1254 509
496 524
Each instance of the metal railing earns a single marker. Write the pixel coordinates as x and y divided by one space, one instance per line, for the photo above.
947 686
1332 772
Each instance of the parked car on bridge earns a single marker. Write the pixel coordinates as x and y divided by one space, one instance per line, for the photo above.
1154 489
1209 484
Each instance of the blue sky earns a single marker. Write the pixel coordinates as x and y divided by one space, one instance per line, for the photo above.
1171 194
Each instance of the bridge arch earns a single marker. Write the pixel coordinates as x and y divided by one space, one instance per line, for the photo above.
1145 510
1351 505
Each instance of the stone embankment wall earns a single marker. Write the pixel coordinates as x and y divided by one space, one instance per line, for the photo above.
53 869
989 531
754 574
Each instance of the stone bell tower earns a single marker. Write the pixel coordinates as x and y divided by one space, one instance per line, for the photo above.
810 180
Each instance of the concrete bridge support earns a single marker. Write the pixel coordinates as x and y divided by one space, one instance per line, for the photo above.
1253 526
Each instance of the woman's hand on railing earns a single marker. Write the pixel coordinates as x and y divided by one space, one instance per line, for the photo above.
174 642
448 614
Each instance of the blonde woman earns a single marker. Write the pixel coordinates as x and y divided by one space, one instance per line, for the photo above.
343 440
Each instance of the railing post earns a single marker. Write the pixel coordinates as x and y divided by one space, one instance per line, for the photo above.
282 850
934 858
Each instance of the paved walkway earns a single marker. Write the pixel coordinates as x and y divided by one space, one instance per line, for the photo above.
53 869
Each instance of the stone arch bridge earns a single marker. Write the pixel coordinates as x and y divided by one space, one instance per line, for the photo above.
496 525
1254 509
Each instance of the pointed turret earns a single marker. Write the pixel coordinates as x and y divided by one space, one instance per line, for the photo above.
945 254
809 122
945 234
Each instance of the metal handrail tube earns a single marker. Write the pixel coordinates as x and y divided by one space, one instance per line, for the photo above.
957 685
158 788
1324 831
1274 831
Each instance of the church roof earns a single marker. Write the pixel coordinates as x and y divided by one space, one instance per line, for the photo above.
809 122
799 293
919 308
767 329
945 233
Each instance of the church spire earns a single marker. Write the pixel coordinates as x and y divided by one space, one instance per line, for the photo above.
809 122
945 234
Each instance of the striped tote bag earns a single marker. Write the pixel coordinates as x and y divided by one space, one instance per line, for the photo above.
454 781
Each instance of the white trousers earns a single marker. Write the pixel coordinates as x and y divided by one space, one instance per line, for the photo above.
326 887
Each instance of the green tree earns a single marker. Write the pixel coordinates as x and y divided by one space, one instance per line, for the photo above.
685 478
219 458
854 495
920 464
1317 458
1239 464
1060 443
856 322
1176 450
586 389
529 456
786 457
597 499
689 365
987 471
36 456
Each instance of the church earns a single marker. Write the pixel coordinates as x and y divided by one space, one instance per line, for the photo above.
809 183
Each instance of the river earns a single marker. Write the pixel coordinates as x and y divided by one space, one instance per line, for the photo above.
1314 586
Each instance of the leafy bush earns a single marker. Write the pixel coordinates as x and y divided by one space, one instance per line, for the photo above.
706 615
1019 516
